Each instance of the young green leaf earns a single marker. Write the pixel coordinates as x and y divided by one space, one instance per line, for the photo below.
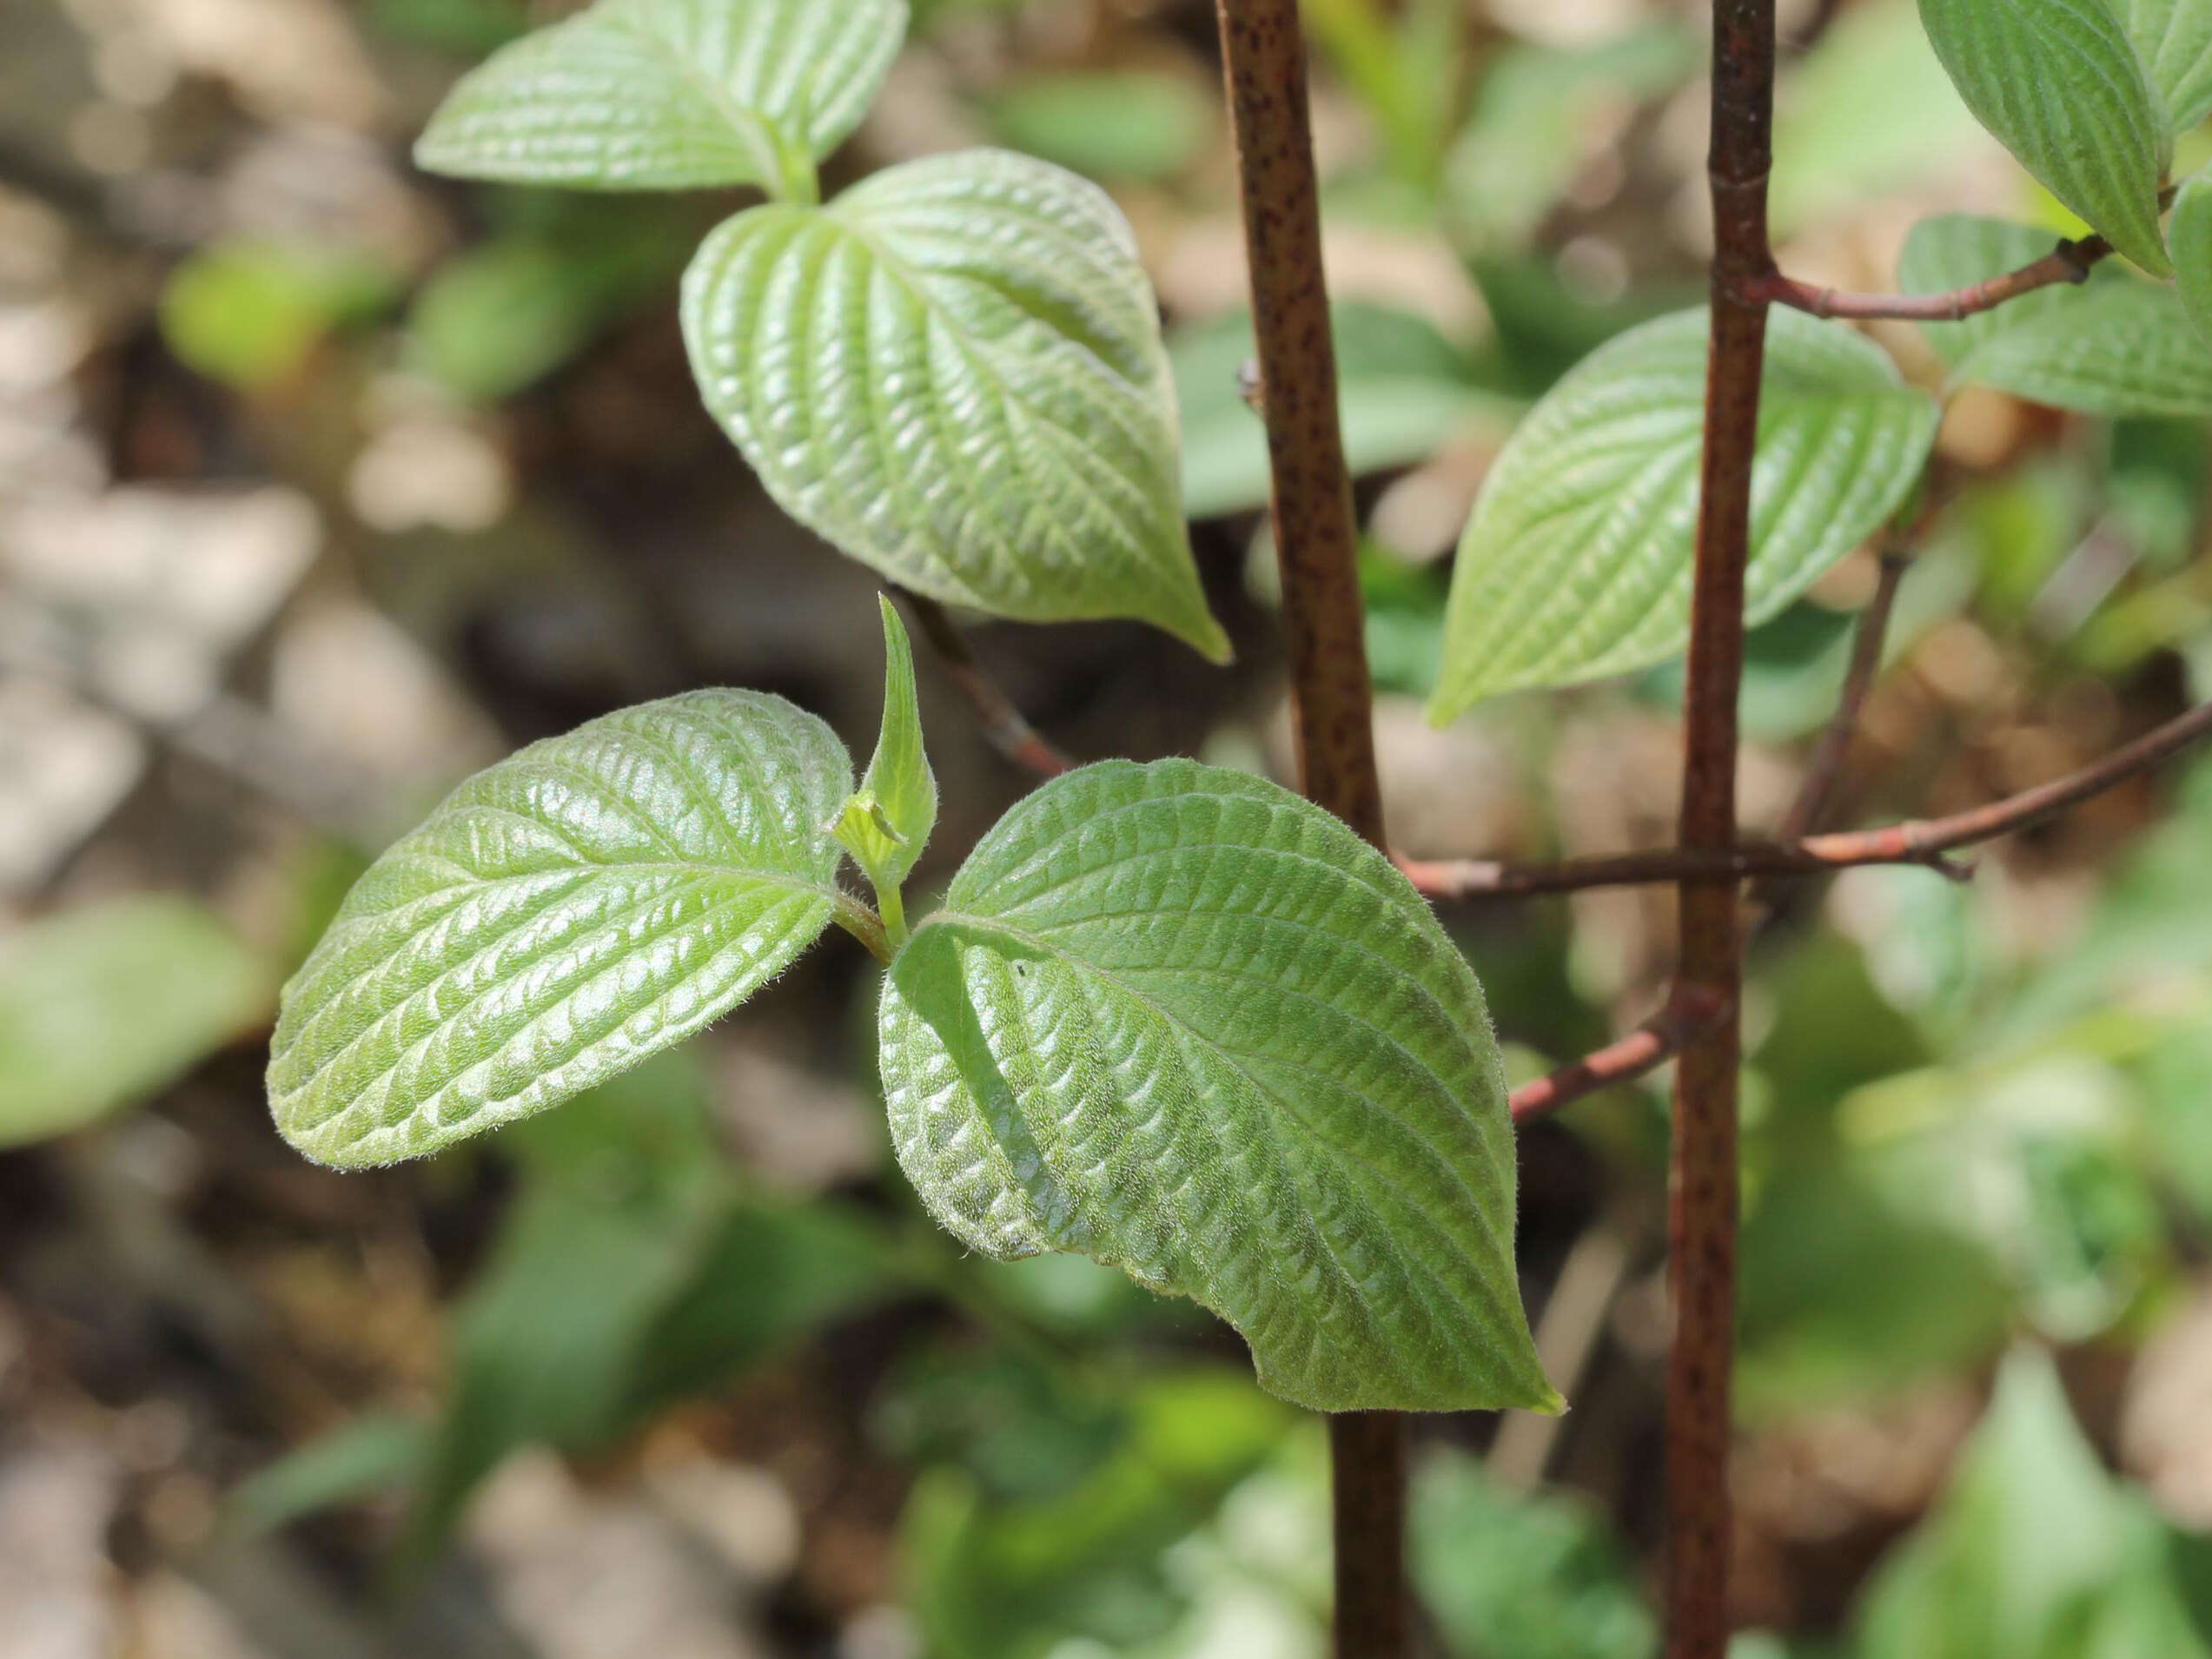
2062 87
954 374
1181 1020
1576 564
670 94
2191 234
584 904
2174 40
887 822
2112 346
102 1005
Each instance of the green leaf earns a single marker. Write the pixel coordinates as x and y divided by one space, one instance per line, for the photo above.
561 916
2112 346
1503 1572
1576 564
2034 1553
954 374
2062 87
2191 233
1403 392
251 313
670 94
1133 123
2174 40
1180 1019
104 1004
886 824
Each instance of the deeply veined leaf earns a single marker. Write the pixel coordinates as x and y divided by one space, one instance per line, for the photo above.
584 904
1179 1020
1576 564
670 94
2062 87
102 1005
2113 346
954 374
2174 40
887 822
2191 234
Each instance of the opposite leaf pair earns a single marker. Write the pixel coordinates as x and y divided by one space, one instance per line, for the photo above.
1172 1017
953 372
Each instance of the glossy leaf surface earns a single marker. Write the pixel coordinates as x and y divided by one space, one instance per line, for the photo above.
582 904
1181 1020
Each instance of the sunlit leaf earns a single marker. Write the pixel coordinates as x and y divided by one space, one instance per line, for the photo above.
592 899
102 1005
887 822
666 94
954 374
1178 1019
2065 89
250 314
1577 562
2115 344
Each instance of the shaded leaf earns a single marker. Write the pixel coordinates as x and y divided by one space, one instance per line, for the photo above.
562 915
1403 392
1577 562
2174 40
667 95
954 374
2191 234
2112 346
2063 87
102 1005
1180 1019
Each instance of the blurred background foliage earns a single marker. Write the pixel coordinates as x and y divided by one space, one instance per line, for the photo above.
322 482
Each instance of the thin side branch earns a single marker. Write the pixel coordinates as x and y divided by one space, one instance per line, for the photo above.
1825 764
1690 1012
2069 262
1004 725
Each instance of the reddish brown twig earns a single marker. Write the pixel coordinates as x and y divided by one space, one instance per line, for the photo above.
1264 64
1690 1012
1702 1196
1004 725
2069 262
1825 766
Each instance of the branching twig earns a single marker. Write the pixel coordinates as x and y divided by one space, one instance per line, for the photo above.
1004 725
1264 63
1691 1011
2069 262
1825 764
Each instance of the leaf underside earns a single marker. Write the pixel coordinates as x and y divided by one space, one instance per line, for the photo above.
954 374
2061 86
2113 346
1181 1021
1577 562
2191 236
668 95
593 899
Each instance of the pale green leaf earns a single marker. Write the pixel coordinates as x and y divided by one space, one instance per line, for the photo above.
1180 1019
2115 344
102 1005
670 94
561 916
886 824
954 374
1577 562
2063 87
2174 40
2191 234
